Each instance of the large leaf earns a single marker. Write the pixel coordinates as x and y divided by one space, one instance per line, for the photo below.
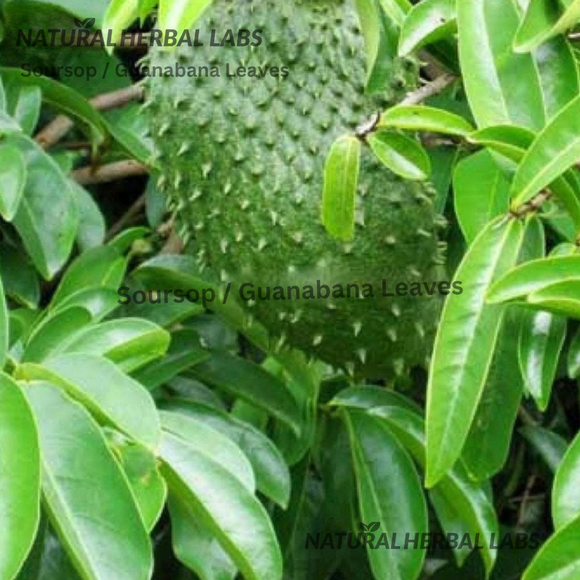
86 494
423 118
389 492
270 469
461 505
550 446
465 344
252 384
534 276
558 558
4 327
427 22
218 499
478 201
108 393
565 492
340 184
180 14
543 20
19 478
554 150
504 87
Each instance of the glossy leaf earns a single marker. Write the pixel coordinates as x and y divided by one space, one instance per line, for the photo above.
19 276
180 14
543 20
562 298
565 493
558 558
550 446
401 154
574 357
19 478
85 492
427 22
533 276
108 393
540 343
423 118
224 505
212 443
554 150
4 327
271 472
119 16
340 184
128 342
389 491
478 201
12 180
504 87
252 384
464 345
147 485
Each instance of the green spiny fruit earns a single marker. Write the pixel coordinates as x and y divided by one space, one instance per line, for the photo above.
243 159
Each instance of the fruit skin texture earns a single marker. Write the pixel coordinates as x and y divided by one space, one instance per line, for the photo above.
242 162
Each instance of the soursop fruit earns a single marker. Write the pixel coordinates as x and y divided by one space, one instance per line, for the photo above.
242 161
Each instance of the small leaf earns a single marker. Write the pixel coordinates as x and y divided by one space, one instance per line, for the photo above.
12 180
179 15
574 357
562 298
423 118
427 22
89 23
534 276
87 496
565 493
119 16
19 477
478 201
549 445
374 526
340 184
223 505
465 344
4 326
401 154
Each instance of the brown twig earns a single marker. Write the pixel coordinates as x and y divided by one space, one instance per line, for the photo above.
429 89
127 218
110 172
531 206
61 125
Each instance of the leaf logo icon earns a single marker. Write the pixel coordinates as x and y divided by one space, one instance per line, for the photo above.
87 23
364 527
374 526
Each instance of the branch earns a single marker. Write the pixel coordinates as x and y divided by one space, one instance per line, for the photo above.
531 206
62 124
110 172
430 89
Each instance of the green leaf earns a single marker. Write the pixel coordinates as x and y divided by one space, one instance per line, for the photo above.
389 492
543 20
4 327
369 396
396 10
565 492
19 478
222 504
23 105
504 87
540 343
92 227
558 558
427 22
380 36
195 546
550 446
86 494
64 99
574 357
19 276
100 267
119 16
270 469
12 180
211 443
179 15
464 345
147 485
128 342
401 154
109 394
554 150
478 201
340 184
252 384
54 332
423 118
562 298
99 302
47 223
534 276
488 443
461 504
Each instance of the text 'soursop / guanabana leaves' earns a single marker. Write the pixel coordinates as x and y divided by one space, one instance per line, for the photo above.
243 161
